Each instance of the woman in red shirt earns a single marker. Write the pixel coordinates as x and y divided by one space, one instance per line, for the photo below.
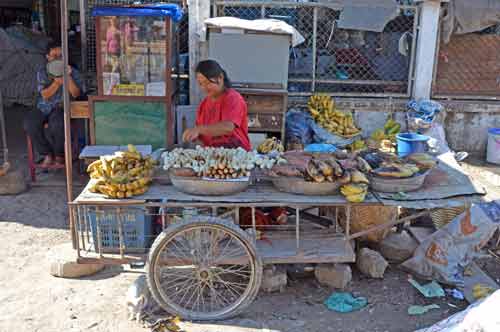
222 118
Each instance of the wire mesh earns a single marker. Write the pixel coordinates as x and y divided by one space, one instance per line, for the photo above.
469 66
334 60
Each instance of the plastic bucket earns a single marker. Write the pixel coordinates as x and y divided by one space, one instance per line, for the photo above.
493 150
409 143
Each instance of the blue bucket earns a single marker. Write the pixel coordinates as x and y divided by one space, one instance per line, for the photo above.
409 143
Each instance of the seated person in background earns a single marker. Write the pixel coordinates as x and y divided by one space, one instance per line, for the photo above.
49 142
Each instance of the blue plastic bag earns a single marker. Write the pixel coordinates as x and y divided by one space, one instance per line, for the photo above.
298 128
320 148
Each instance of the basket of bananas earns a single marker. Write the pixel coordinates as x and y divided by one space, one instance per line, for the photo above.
122 175
322 109
213 171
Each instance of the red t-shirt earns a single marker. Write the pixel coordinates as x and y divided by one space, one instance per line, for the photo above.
229 107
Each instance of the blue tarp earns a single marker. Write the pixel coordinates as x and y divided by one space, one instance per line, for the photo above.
170 10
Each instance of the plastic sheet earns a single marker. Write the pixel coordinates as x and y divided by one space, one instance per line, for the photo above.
345 302
170 10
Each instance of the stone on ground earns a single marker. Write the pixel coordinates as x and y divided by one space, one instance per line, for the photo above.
63 263
398 247
274 279
371 263
12 183
333 275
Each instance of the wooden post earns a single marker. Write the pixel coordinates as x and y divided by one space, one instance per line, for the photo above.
198 11
427 43
67 117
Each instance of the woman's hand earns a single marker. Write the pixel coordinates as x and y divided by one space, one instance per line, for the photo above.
191 134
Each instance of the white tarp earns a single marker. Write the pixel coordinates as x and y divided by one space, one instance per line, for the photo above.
481 316
21 55
265 25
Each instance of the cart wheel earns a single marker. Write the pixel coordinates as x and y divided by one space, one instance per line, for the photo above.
204 269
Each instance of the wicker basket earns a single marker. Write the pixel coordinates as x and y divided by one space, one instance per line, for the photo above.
366 217
442 217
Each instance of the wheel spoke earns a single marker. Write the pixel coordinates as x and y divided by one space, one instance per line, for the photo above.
175 283
228 287
183 290
197 285
216 295
239 272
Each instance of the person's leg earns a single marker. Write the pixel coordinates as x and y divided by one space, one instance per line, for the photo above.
56 133
33 125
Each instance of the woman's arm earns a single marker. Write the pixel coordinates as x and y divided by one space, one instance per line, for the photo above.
217 129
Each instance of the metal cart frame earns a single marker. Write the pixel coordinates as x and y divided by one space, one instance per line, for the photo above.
189 244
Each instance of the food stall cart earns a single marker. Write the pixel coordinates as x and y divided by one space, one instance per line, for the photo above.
203 266
201 263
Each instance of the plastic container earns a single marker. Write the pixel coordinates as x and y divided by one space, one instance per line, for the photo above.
409 143
493 150
136 228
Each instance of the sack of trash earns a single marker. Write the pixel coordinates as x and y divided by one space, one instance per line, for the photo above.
444 255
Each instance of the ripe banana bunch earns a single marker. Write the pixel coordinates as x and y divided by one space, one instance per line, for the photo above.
122 175
270 144
322 109
323 170
354 192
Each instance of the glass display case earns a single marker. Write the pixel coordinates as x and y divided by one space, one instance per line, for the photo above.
133 59
133 55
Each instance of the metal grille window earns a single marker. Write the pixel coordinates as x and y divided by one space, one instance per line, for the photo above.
468 67
334 60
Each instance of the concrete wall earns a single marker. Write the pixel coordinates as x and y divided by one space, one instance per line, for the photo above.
466 122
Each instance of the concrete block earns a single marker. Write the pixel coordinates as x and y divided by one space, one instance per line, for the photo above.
333 275
274 279
63 263
371 263
398 247
12 183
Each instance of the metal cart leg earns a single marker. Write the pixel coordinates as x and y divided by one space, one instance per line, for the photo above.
297 228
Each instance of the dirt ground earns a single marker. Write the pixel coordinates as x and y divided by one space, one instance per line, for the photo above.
32 300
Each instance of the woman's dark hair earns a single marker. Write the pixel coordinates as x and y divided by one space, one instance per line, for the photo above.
212 70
